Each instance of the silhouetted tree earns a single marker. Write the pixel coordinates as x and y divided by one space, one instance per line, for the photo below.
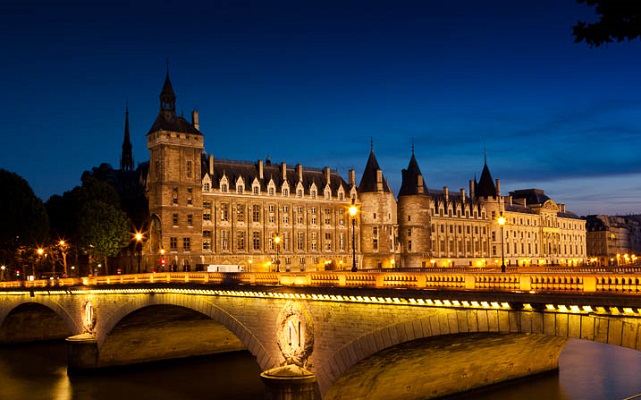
618 20
24 222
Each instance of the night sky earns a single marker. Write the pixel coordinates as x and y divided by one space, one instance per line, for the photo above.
313 82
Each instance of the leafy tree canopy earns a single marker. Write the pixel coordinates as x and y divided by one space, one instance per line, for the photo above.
618 20
24 219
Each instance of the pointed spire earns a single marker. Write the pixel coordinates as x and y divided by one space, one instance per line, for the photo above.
485 186
167 96
127 158
412 182
372 179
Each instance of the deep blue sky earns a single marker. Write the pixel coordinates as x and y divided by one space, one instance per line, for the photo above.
312 81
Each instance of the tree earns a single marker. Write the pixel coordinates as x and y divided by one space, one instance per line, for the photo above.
24 223
103 229
618 20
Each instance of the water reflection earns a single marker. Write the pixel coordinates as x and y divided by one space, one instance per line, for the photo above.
589 371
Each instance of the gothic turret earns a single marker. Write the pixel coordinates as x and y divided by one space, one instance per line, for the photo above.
485 186
414 217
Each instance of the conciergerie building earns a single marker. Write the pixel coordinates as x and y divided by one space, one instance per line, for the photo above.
264 216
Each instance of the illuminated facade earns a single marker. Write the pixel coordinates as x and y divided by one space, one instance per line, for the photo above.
267 217
613 240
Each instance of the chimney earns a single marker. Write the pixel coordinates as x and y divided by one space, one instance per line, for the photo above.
283 171
328 175
261 170
498 188
299 172
446 193
379 180
351 176
462 196
194 119
211 165
472 188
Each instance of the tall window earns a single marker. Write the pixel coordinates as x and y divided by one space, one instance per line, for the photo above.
190 220
174 195
187 244
256 240
328 241
255 213
240 240
224 240
173 244
314 241
300 241
189 169
224 212
174 219
190 193
240 213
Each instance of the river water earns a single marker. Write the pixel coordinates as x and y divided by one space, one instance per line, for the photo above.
588 371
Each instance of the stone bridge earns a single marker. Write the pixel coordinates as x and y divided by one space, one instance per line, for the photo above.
341 335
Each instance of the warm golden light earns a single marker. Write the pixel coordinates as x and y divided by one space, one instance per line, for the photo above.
353 210
138 236
501 220
277 239
40 251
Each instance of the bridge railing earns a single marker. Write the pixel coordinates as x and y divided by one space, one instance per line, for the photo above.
606 283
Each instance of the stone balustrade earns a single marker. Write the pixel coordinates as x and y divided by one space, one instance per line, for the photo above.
606 283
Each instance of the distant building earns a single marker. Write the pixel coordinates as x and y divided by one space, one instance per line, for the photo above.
613 240
266 217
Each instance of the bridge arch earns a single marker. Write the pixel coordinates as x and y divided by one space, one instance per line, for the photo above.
34 321
550 329
206 306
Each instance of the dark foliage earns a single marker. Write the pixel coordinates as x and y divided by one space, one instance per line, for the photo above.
619 20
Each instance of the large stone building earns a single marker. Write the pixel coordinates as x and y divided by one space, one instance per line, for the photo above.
264 217
613 240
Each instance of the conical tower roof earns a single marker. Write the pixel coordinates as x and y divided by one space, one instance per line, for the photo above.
412 183
485 186
369 180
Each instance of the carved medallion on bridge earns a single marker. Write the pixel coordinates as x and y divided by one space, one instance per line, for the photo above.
88 317
295 334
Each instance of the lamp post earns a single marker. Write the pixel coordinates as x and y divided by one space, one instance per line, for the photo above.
40 252
277 242
64 247
162 259
352 212
138 237
501 222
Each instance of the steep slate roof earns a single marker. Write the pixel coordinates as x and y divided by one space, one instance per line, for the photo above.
173 123
485 186
368 180
410 184
249 171
531 196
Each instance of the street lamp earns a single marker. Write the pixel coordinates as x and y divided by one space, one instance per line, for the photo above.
162 259
501 222
64 247
277 242
40 252
353 210
138 237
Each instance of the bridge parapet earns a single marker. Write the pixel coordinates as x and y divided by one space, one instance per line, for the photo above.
604 283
